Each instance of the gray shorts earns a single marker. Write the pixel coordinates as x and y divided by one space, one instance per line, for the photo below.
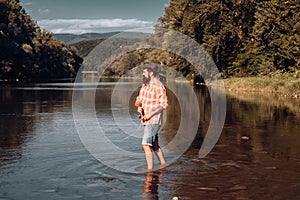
150 134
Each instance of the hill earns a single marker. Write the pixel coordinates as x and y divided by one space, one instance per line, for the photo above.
69 38
29 54
245 38
84 47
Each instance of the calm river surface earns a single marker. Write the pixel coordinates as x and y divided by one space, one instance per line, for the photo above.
42 157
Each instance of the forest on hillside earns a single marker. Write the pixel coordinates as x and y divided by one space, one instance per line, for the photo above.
243 37
29 54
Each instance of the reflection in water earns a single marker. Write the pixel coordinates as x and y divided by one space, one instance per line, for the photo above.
21 110
279 125
150 187
257 155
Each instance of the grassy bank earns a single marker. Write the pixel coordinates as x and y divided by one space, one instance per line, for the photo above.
280 84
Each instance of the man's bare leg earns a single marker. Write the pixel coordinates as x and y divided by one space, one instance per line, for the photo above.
148 155
160 156
159 153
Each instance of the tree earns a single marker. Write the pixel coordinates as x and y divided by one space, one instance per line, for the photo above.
219 26
244 37
274 42
29 53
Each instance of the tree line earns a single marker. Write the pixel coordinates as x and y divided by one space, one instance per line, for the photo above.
244 37
29 54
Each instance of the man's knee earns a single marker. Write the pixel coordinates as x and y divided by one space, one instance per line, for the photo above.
147 148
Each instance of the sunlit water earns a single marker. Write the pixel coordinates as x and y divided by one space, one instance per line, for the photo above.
42 156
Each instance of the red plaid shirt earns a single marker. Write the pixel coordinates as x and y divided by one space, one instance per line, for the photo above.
152 95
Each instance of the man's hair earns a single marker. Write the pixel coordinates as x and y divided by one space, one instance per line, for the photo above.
151 68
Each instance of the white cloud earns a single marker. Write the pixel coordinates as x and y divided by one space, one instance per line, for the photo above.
43 11
27 3
79 26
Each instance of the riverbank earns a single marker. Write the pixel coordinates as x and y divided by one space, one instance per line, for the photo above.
280 84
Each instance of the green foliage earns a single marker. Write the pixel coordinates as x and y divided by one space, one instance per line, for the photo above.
29 53
220 26
244 37
86 46
274 42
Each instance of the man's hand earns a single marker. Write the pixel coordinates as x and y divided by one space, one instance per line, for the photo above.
140 110
149 115
138 104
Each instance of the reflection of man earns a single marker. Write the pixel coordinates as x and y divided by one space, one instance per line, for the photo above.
151 102
150 187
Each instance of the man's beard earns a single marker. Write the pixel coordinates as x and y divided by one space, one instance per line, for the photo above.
146 80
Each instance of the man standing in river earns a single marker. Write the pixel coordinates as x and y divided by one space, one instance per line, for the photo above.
151 102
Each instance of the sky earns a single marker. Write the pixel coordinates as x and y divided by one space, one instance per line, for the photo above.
97 16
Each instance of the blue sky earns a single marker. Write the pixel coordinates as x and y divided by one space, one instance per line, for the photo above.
81 16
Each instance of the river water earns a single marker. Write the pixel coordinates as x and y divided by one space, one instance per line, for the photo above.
42 156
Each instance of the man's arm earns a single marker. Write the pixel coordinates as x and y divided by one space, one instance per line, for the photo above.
155 111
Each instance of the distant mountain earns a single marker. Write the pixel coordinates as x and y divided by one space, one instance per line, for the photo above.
69 38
